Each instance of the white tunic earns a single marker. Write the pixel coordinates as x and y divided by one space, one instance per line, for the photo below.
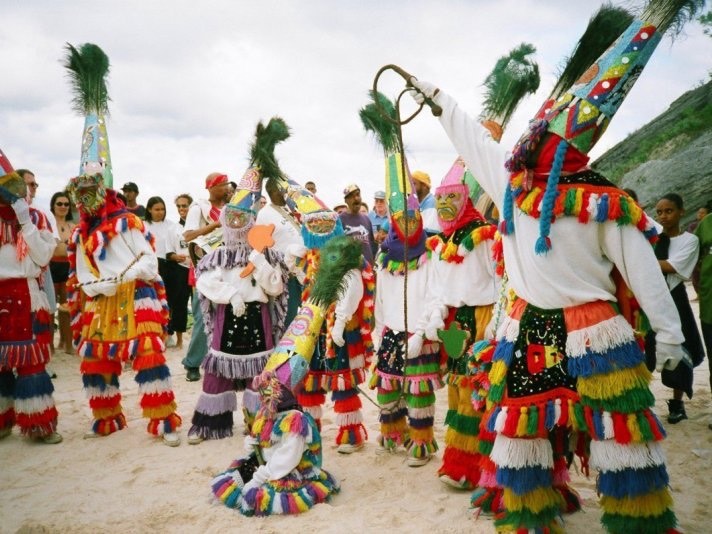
577 269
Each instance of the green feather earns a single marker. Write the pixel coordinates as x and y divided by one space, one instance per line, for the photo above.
338 257
666 14
88 67
262 148
513 77
606 25
385 132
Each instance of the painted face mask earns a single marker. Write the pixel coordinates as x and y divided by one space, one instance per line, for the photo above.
408 223
449 205
237 218
88 193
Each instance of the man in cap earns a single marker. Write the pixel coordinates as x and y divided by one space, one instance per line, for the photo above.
427 203
202 219
356 224
130 191
379 216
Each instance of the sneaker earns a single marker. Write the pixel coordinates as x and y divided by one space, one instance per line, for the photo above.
676 411
461 484
172 439
5 432
418 462
192 374
91 435
52 439
170 342
195 439
348 448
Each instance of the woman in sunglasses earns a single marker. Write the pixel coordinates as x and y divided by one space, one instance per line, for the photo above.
59 266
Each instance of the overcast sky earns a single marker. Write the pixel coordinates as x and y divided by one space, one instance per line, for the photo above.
190 80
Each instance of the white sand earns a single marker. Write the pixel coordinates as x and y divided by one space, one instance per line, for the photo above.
131 482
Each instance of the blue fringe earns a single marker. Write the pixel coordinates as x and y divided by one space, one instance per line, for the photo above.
632 482
390 417
550 415
156 373
343 395
313 241
98 381
602 211
493 419
598 424
29 386
506 227
593 363
426 422
543 244
145 292
504 352
525 479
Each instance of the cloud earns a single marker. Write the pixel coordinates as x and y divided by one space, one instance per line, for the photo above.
189 81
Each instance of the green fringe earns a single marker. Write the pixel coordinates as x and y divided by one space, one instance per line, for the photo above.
633 400
388 397
485 447
338 257
533 421
625 524
464 424
579 416
420 401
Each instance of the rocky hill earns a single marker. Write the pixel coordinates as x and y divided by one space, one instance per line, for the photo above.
672 153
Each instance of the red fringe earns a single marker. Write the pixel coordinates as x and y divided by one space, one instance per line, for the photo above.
348 405
458 464
309 400
155 400
99 367
98 403
620 428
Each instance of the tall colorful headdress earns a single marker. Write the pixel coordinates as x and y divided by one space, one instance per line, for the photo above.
571 121
403 204
88 67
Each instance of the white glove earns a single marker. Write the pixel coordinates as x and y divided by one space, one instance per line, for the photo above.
238 305
337 333
667 356
257 259
415 345
250 443
138 271
422 90
296 251
490 331
22 211
434 323
107 288
247 487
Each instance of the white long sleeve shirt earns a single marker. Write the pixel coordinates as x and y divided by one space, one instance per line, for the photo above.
577 269
348 303
40 244
220 285
389 299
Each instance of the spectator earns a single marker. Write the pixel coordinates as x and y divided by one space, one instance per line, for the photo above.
356 224
130 190
202 219
262 204
341 208
60 207
704 234
379 216
701 214
178 288
677 253
428 212
364 209
311 187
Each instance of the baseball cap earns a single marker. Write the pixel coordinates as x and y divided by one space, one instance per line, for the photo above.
350 189
130 186
379 195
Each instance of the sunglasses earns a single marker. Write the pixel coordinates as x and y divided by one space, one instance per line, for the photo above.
181 205
33 184
62 204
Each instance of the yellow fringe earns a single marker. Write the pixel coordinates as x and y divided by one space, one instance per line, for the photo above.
535 501
614 384
523 421
106 413
497 372
420 435
160 412
634 428
459 441
579 200
650 505
528 202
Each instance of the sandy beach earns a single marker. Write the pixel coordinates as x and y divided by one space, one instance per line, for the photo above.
131 482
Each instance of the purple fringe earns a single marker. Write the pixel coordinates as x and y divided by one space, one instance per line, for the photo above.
234 366
216 404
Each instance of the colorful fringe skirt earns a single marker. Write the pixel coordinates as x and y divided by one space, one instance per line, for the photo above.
578 369
25 334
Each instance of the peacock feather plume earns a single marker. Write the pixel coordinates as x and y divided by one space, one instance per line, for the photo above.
88 67
385 131
513 77
262 148
604 27
671 14
338 256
